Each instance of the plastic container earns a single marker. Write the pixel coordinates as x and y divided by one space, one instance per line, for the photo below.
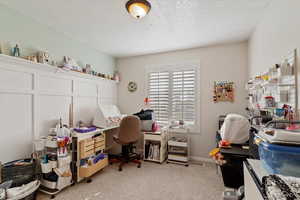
280 159
46 167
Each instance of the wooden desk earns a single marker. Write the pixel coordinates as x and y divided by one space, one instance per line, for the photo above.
235 151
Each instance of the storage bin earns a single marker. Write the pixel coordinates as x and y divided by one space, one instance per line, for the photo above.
53 163
51 143
64 161
19 174
49 184
280 159
46 167
63 182
39 145
147 125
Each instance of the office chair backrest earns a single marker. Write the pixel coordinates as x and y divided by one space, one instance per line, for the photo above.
130 129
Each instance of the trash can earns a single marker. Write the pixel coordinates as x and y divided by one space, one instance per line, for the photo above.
232 172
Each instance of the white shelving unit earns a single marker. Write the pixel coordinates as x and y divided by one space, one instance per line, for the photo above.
60 167
179 146
155 146
280 82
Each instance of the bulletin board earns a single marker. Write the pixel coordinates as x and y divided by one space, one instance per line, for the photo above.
223 91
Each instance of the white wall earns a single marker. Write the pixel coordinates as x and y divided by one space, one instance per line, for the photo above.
275 36
33 36
34 96
217 63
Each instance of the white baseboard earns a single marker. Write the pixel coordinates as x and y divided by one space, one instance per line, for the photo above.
202 159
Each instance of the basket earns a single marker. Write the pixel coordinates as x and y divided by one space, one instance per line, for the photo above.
19 174
29 195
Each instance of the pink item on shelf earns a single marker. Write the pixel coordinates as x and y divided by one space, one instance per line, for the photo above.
155 127
293 127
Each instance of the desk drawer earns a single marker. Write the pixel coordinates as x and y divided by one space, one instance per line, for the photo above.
99 143
100 138
87 148
99 148
85 172
152 137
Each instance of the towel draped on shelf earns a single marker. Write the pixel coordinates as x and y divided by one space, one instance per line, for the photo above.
278 187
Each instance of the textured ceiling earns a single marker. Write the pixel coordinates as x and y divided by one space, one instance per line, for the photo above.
170 25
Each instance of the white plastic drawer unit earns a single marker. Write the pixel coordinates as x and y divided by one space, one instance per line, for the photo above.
177 144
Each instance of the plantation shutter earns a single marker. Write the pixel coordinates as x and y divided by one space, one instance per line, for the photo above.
183 96
158 93
172 95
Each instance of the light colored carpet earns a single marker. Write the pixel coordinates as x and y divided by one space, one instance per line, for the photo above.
151 182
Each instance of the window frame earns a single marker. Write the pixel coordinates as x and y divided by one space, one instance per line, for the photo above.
179 67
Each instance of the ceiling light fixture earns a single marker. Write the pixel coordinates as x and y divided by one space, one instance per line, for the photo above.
138 8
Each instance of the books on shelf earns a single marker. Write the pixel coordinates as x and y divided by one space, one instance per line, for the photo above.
152 151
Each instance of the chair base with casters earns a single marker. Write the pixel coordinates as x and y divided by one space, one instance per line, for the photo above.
126 156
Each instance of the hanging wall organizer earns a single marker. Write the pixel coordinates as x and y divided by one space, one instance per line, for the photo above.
223 91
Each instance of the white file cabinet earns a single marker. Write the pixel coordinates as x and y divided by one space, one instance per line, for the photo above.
155 146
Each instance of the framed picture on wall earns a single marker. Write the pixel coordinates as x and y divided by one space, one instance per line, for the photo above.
223 91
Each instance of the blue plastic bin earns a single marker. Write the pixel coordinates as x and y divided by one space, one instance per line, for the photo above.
280 159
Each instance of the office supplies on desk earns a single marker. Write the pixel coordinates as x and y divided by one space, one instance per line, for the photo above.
85 129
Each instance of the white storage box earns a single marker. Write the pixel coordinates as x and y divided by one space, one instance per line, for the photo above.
51 143
53 164
177 144
46 167
63 182
39 145
49 184
178 158
64 161
147 125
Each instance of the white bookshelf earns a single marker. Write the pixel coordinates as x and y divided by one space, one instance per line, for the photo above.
159 139
178 146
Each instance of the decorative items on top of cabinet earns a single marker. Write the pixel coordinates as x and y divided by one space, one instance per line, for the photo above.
44 57
16 51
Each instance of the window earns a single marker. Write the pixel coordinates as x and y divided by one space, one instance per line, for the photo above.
172 95
158 93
